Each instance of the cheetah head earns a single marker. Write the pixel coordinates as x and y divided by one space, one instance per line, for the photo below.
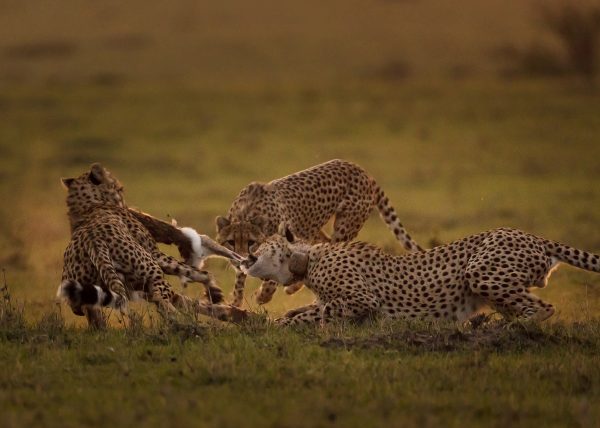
280 258
242 237
92 188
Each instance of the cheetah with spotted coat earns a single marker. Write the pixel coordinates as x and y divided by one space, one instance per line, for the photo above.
112 255
305 201
454 282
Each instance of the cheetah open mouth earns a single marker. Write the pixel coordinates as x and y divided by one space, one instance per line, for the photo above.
247 263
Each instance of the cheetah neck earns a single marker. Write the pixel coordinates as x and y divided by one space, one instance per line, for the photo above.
80 216
314 251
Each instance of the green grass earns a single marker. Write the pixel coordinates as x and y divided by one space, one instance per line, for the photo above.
374 375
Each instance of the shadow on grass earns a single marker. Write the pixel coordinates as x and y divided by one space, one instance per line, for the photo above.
497 336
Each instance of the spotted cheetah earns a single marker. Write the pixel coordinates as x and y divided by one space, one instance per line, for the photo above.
111 254
305 201
455 281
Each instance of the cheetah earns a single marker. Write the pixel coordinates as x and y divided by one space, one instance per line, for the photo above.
452 282
111 255
305 201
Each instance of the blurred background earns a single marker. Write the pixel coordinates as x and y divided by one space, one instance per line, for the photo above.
470 114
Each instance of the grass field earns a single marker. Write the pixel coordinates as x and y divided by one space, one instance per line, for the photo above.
458 150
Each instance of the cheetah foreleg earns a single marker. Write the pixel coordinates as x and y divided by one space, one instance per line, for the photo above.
268 288
238 289
292 313
356 307
265 292
309 316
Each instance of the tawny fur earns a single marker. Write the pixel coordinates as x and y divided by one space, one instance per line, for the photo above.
305 201
111 251
454 282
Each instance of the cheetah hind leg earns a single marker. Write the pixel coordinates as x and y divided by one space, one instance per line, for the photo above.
161 295
100 256
170 304
95 317
347 224
522 305
221 312
323 237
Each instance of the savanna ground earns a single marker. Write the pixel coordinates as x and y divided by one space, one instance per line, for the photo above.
188 105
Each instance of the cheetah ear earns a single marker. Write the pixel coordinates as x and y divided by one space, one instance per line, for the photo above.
284 230
67 182
97 174
298 263
221 222
289 235
258 221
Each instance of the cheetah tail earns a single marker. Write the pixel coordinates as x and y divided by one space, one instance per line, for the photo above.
76 295
390 217
573 256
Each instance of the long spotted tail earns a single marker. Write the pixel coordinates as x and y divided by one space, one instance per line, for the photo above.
390 217
573 256
78 296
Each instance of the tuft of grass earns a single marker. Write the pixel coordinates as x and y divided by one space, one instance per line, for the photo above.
12 318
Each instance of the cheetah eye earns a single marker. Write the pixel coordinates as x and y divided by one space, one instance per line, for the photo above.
251 243
231 243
